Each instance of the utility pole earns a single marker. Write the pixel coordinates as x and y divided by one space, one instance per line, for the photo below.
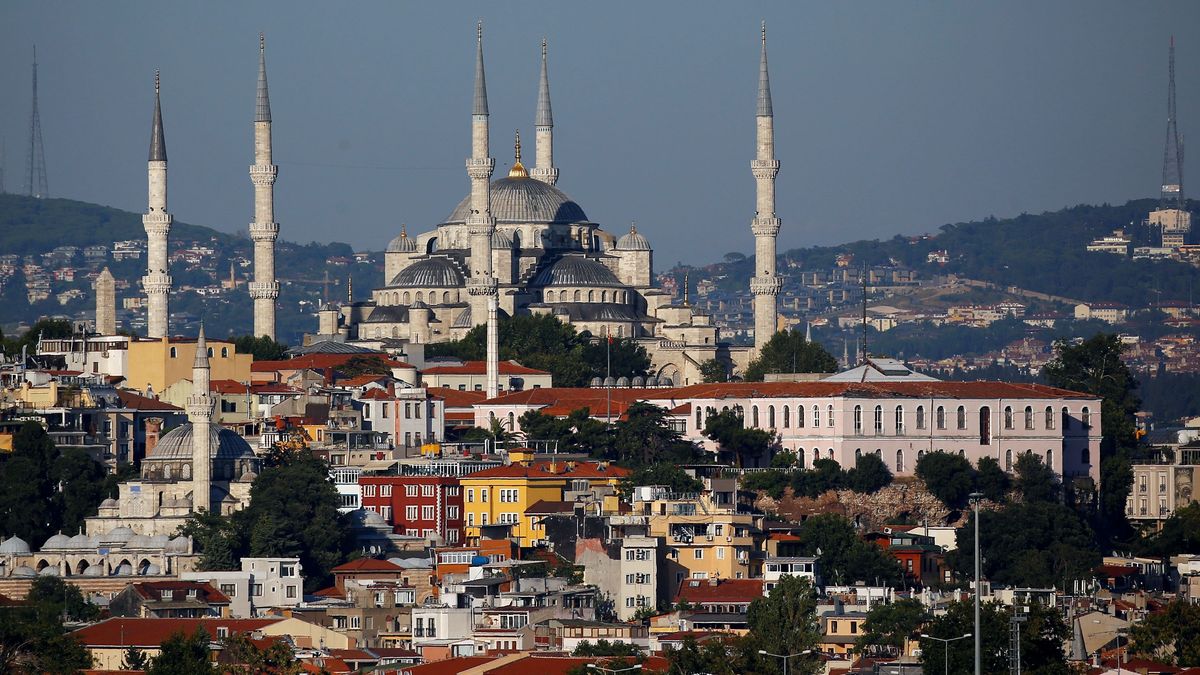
975 498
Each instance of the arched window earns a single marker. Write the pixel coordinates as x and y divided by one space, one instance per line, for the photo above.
920 417
939 417
1008 462
591 296
1085 456
1028 417
578 296
830 455
1008 417
787 417
174 353
1050 458
512 420
985 426
699 421
829 416
187 472
816 416
962 453
962 417
210 352
770 417
604 296
899 420
1066 418
920 454
1087 418
224 352
420 296
445 297
799 417
857 454
407 298
858 419
800 457
899 461
167 471
1049 421
754 416
878 419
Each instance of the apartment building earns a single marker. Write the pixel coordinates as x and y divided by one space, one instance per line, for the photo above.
430 507
1159 490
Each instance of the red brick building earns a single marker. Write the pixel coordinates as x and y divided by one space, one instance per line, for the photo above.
416 506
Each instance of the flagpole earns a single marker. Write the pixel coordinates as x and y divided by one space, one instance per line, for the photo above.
608 373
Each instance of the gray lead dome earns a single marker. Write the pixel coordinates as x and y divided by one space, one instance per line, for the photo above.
431 272
223 444
523 201
574 270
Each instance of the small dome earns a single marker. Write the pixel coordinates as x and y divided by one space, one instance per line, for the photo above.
222 444
501 241
120 534
139 541
638 381
429 273
57 541
633 241
14 545
177 545
622 381
610 382
402 243
159 540
48 571
366 518
110 503
577 270
152 570
596 382
94 571
651 381
82 541
248 477
124 570
417 304
24 571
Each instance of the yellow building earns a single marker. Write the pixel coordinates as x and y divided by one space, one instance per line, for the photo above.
501 495
158 364
840 631
706 537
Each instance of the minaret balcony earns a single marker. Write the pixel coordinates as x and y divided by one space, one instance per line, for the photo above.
156 283
482 286
764 168
766 285
264 231
765 227
263 175
480 168
264 290
157 223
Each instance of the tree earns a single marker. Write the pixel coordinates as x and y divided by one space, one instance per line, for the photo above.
991 480
217 539
948 476
728 429
645 437
663 473
32 636
1171 636
1095 366
713 370
719 655
869 474
135 659
1042 637
605 648
240 656
843 557
889 626
81 487
184 655
1034 545
27 485
1180 534
785 622
262 348
1035 481
789 352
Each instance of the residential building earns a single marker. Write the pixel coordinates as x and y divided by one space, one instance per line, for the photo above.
472 376
1109 312
410 417
1159 490
565 635
169 600
154 365
703 538
430 507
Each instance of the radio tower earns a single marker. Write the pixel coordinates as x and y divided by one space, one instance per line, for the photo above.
1172 185
37 154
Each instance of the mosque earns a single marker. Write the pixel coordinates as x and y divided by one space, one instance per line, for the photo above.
522 245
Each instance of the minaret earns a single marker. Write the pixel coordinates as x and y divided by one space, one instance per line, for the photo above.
106 303
264 230
200 410
481 286
157 282
543 123
765 226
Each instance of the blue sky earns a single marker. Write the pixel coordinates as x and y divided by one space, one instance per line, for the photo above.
891 116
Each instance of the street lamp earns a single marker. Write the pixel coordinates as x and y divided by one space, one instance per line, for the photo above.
946 648
593 666
784 657
975 498
1119 633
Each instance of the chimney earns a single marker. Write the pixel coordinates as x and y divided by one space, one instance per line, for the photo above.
153 428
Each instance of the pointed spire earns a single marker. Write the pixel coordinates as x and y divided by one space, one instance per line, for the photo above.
544 116
201 360
764 82
518 169
158 142
481 106
262 102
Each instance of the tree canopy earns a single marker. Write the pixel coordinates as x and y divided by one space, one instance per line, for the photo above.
789 352
890 625
33 638
1171 636
784 622
262 348
738 441
1034 545
843 557
1042 637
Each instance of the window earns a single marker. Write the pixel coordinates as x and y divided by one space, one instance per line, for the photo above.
1008 460
878 419
1008 417
1085 456
410 490
470 495
858 419
368 490
174 353
1066 419
899 461
754 416
222 632
287 570
720 553
229 590
470 519
962 417
1087 418
256 590
1049 421
939 417
770 417
699 553
383 410
899 420
1028 417
816 416
410 512
799 417
290 592
829 416
427 513
985 426
452 512
920 417
1050 458
385 490
787 417
483 495
699 422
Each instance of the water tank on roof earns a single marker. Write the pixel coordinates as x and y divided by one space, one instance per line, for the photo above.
479 560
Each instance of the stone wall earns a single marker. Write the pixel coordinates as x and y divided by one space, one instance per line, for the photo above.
904 498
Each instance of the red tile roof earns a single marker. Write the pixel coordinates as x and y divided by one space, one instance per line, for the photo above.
156 590
227 387
455 398
368 565
728 591
523 664
152 632
138 402
480 368
561 470
375 394
362 380
322 361
448 666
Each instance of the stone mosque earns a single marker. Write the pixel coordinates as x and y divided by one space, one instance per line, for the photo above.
523 245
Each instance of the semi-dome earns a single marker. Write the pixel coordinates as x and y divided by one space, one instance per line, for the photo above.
501 241
575 270
59 540
402 243
222 444
525 200
14 545
430 272
177 545
24 571
94 571
633 241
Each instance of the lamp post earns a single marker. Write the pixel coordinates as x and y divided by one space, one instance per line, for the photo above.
592 666
784 657
945 648
1119 633
975 498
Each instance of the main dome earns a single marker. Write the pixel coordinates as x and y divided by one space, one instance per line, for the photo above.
222 444
575 270
525 200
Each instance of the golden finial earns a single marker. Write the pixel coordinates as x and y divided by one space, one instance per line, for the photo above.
403 230
633 227
518 169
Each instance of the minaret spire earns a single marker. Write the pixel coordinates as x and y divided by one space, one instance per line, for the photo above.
543 121
481 285
765 285
157 222
200 411
264 230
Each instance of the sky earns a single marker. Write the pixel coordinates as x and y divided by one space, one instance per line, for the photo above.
891 117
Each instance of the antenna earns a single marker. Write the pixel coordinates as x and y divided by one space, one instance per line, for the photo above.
37 153
864 313
1172 182
3 147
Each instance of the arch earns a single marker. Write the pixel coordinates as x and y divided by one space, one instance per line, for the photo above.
210 352
167 471
920 454
81 566
445 297
858 422
829 419
174 352
1050 458
41 565
899 420
512 421
1085 456
770 417
604 296
224 352
754 416
1086 417
407 299
1008 460
816 414
1028 417
1049 414
939 417
143 567
920 417
578 296
878 419
1066 418
962 417
186 472
800 417
516 239
699 421
857 454
431 245
787 417
1008 417
985 425
420 296
591 296
899 461
962 453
